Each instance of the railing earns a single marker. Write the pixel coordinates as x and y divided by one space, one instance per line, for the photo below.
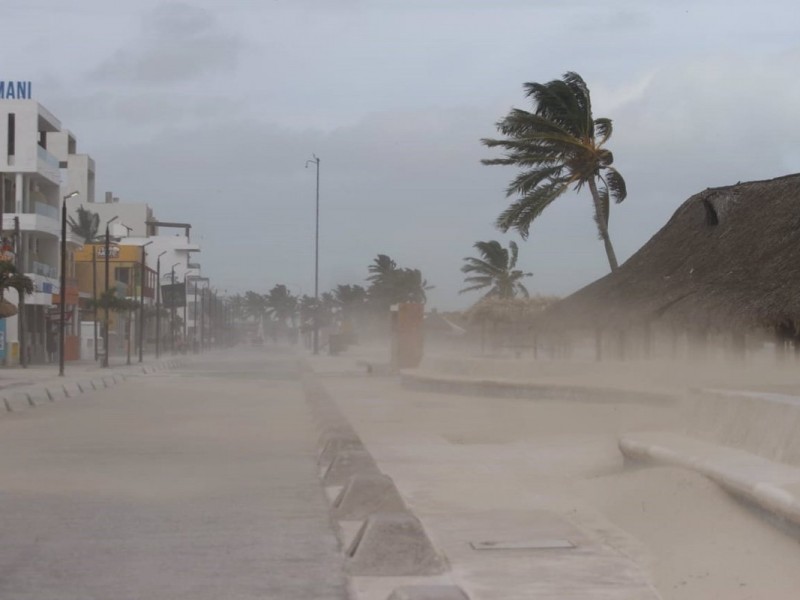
44 270
45 156
46 210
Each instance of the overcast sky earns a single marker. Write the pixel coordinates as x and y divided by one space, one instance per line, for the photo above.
209 110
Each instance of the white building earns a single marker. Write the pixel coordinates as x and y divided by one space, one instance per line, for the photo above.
30 195
137 216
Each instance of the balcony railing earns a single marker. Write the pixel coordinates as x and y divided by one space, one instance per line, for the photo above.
46 157
46 210
44 270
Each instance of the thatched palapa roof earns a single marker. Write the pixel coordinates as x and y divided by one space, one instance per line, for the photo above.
729 258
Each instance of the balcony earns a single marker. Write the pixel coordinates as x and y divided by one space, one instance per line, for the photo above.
47 165
36 221
44 270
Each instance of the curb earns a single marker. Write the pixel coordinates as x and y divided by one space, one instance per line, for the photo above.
473 386
389 539
767 495
19 399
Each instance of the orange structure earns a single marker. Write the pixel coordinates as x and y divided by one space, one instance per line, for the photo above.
407 335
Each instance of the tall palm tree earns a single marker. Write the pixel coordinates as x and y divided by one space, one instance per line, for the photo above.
87 224
495 269
559 145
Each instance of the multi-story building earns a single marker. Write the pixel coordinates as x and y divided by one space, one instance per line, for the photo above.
30 197
125 275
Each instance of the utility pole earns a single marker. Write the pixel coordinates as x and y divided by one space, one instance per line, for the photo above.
143 273
108 278
20 264
316 261
158 303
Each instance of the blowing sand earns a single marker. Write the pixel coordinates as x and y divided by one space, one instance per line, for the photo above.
499 458
700 542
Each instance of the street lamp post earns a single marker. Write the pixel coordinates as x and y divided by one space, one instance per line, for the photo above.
158 303
203 315
173 314
105 316
142 269
63 292
316 261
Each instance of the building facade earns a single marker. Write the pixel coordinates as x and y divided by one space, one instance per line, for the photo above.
30 197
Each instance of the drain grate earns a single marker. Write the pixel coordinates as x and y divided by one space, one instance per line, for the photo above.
541 544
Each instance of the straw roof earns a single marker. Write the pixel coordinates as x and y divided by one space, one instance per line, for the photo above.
729 258
508 310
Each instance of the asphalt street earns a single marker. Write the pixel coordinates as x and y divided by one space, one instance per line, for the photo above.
198 483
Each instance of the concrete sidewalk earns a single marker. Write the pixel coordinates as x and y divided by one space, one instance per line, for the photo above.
495 471
24 388
507 525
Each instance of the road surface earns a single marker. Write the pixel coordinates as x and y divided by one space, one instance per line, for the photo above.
198 483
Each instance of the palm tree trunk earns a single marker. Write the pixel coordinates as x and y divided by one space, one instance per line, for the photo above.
602 226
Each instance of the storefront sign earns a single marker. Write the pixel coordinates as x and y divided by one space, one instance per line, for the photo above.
113 251
15 90
173 296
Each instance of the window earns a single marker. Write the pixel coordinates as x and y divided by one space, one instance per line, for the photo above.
12 133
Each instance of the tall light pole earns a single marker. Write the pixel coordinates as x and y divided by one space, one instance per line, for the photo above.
315 160
158 302
105 317
142 270
63 295
174 313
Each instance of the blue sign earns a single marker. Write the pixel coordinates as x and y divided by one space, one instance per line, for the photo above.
15 90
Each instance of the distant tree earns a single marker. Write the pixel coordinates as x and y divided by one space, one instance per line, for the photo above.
559 145
255 305
390 284
496 270
237 307
87 225
109 299
351 298
281 304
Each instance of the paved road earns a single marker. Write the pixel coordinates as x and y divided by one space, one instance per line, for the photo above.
199 483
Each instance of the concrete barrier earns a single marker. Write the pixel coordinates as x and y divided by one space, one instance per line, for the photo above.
38 395
346 464
366 494
71 390
393 544
429 592
334 445
18 401
56 392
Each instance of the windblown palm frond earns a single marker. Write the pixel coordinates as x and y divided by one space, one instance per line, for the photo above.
86 225
496 270
560 145
11 279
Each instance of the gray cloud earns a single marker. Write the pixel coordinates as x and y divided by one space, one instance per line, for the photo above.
179 42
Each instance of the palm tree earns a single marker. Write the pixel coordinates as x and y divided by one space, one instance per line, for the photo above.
86 226
11 279
559 145
281 304
390 284
381 269
255 305
495 269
